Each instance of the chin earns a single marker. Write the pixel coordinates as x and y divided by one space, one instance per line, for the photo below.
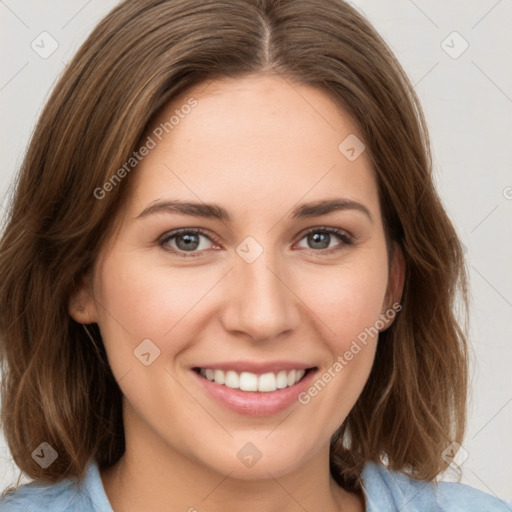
251 462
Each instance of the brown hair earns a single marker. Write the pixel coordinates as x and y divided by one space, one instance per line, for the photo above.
57 386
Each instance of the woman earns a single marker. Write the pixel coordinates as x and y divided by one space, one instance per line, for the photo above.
228 278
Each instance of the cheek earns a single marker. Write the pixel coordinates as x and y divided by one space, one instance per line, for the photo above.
349 298
138 301
348 307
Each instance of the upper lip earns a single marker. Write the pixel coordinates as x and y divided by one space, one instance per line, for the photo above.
255 367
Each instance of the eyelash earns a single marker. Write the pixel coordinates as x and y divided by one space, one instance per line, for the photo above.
346 239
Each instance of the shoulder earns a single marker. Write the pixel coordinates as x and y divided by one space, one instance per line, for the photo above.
462 498
390 490
34 497
68 495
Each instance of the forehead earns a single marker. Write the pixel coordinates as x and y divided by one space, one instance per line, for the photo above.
253 142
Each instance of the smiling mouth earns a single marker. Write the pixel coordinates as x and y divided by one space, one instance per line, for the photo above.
248 381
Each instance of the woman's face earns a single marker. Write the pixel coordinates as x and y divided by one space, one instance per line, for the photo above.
253 296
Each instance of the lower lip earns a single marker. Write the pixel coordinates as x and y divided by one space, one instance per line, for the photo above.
255 403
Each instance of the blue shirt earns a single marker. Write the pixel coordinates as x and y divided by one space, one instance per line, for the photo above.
385 491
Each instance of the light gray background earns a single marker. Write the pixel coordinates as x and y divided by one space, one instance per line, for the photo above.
468 104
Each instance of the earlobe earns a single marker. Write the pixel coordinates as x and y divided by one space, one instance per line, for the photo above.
81 304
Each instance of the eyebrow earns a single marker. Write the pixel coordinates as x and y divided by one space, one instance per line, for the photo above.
214 211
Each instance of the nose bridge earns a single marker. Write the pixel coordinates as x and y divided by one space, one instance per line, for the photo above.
262 305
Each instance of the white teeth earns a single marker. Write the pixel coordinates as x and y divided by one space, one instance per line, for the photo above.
267 382
219 377
282 379
232 380
247 381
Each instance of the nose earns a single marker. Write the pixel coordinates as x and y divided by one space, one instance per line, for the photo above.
261 302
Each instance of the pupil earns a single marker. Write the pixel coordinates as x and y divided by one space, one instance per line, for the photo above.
319 238
190 240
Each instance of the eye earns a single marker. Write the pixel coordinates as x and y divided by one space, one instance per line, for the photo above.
320 238
185 241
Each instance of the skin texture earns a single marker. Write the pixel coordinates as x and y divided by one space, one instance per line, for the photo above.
257 146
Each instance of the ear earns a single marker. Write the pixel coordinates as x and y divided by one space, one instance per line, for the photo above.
395 287
81 304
